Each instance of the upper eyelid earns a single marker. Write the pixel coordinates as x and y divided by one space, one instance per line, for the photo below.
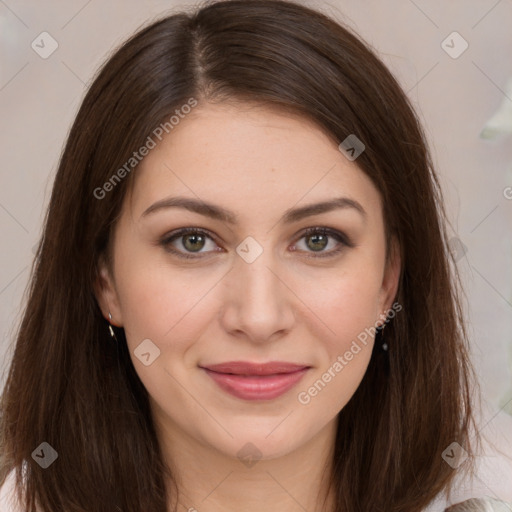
305 231
340 236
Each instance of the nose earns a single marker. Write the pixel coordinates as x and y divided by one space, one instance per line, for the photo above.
258 302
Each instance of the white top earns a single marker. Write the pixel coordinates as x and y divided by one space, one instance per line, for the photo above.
7 497
492 483
8 503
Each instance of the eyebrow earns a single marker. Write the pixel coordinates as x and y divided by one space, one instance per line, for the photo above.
219 213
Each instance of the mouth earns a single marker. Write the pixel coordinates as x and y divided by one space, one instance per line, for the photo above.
256 381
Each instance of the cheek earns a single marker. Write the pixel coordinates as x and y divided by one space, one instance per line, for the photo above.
347 307
160 302
163 306
347 304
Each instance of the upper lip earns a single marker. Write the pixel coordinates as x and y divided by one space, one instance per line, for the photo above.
247 368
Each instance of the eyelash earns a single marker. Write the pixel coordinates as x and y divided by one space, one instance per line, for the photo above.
343 240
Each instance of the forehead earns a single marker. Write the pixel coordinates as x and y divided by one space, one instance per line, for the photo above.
247 155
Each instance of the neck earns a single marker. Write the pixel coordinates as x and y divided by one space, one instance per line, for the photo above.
209 480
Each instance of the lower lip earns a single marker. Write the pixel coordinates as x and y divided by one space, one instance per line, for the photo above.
257 387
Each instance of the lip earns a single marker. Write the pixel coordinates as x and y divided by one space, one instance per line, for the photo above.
256 381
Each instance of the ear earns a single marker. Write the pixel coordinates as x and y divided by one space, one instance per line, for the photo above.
106 293
391 278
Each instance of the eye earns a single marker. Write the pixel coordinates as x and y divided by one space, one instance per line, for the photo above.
186 241
192 240
318 238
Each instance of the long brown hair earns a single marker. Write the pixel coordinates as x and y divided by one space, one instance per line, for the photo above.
70 386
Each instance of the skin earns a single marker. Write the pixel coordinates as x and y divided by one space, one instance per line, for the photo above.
287 305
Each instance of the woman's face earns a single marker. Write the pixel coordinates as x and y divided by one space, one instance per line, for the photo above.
251 286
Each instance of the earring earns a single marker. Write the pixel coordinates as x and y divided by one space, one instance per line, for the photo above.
380 329
110 327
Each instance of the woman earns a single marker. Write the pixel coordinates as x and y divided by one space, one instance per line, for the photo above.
297 356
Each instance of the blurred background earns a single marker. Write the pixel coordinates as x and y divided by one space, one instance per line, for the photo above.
452 58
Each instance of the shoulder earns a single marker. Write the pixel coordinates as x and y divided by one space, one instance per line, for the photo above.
8 499
481 505
490 488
